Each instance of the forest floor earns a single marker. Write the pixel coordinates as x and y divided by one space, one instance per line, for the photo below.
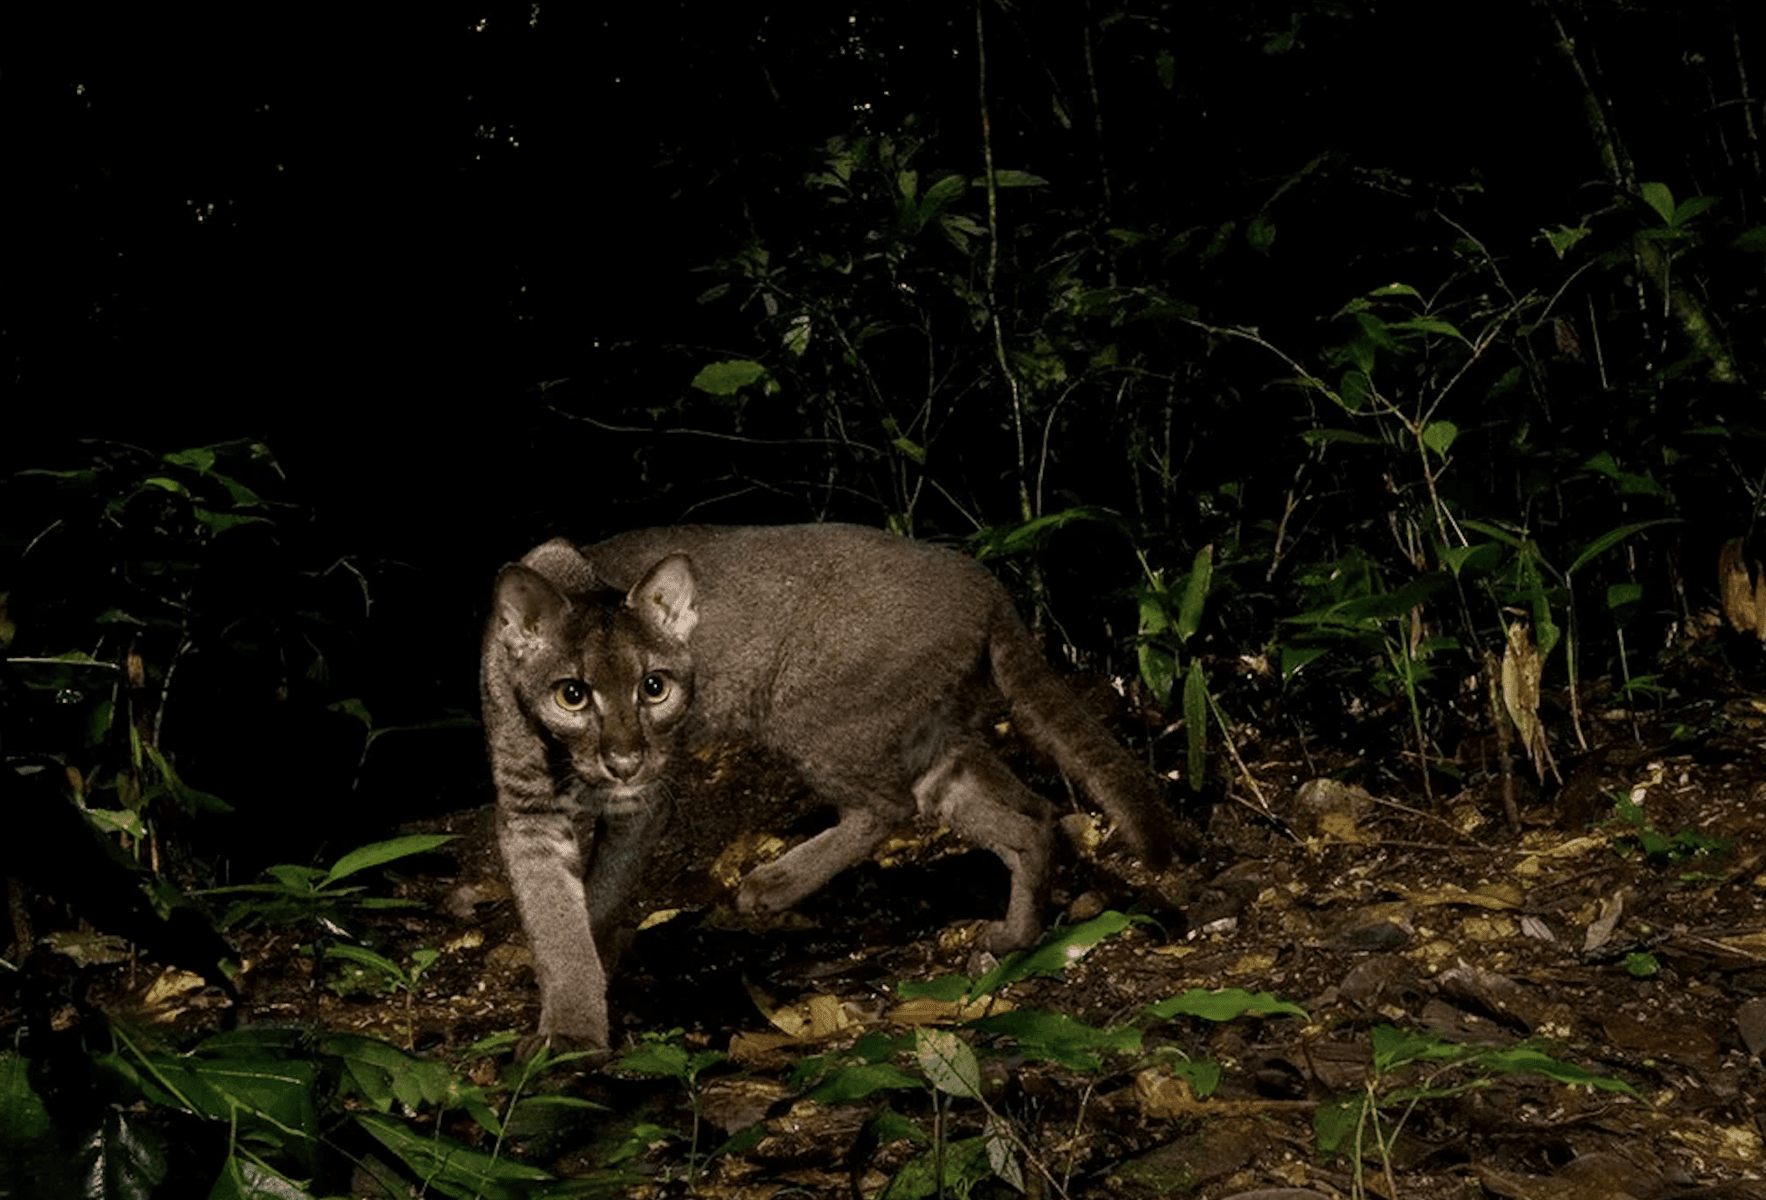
1429 1002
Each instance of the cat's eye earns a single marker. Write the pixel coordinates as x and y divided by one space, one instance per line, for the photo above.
654 688
572 695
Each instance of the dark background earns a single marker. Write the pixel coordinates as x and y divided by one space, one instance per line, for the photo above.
410 251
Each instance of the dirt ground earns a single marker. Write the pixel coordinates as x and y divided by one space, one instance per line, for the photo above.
1623 944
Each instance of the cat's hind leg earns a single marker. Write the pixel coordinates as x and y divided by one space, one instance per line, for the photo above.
973 792
805 867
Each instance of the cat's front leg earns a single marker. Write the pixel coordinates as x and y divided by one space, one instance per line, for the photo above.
627 834
545 870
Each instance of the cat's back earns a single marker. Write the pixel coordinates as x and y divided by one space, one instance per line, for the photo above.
825 597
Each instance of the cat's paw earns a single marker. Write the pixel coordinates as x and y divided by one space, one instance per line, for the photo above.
767 889
561 1043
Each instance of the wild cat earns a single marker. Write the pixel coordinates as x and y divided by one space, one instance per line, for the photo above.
868 660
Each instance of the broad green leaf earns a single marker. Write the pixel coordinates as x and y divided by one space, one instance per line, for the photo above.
1058 1038
452 1167
946 189
949 988
1564 237
1752 241
1294 658
1223 1005
1480 556
855 1082
1658 197
198 459
1439 436
1432 325
948 1062
170 485
727 378
1195 593
1335 1122
124 1158
379 853
1051 956
1621 594
1686 210
1396 289
381 1073
668 1059
1165 66
30 1154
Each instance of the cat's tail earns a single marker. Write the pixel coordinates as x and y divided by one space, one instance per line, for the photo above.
1048 714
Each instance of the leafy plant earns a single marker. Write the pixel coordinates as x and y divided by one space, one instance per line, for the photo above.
1633 834
296 894
1369 1124
662 1054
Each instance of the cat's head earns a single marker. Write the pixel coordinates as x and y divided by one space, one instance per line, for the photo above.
606 677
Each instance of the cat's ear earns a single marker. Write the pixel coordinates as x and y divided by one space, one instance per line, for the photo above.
561 562
528 607
665 600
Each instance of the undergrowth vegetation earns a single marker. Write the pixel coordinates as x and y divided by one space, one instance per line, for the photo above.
1487 475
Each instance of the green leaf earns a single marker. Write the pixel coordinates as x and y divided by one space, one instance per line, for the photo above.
948 1062
1058 1038
948 988
1335 1122
124 1158
1223 1005
1641 966
1316 436
1658 197
379 853
1564 237
1431 325
1524 1060
382 1074
451 1167
1611 538
1010 179
198 459
1621 594
1260 233
855 1082
1439 436
1051 956
1195 718
1480 556
1165 66
727 378
31 1158
1752 241
1195 594
1686 210
364 957
1396 289
668 1059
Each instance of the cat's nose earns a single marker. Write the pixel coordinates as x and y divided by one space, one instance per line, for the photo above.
622 765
